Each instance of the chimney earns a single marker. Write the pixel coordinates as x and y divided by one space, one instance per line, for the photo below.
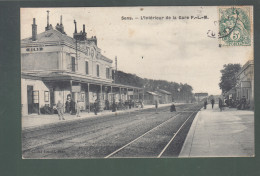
75 26
34 30
49 26
84 28
60 27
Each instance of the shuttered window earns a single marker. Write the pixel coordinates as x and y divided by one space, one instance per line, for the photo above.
97 70
107 73
86 65
73 64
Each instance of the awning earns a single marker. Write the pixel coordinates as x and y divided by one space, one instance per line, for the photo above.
66 76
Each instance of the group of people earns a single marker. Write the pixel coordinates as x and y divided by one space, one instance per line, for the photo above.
212 101
96 107
71 107
229 103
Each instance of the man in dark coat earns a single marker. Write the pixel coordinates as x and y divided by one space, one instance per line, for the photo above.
173 109
212 103
68 104
96 106
243 102
130 104
107 104
114 106
220 104
205 104
156 105
73 107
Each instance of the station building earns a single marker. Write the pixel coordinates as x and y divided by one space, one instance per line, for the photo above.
55 65
245 83
165 96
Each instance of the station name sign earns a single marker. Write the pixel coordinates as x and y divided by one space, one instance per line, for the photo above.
34 49
76 88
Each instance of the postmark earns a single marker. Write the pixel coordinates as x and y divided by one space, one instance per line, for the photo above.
235 26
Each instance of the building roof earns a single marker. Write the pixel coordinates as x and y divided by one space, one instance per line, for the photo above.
245 66
231 91
152 93
201 94
51 35
54 36
164 91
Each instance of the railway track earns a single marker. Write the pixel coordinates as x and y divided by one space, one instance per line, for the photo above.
66 133
156 127
83 124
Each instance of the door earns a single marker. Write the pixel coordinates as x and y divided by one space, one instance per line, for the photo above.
30 99
35 106
52 97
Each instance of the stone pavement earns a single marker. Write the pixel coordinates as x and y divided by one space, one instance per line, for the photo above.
229 133
35 120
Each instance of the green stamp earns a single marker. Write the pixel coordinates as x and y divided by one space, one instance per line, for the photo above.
234 26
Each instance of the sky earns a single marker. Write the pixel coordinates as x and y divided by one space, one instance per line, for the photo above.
177 50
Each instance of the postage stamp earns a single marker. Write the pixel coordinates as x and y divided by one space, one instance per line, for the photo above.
235 26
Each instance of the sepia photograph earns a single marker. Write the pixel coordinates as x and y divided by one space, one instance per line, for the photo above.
137 82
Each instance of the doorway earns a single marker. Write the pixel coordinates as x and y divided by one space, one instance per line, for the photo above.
30 99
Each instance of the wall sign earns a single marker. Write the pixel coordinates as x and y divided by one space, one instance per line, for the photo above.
34 49
76 88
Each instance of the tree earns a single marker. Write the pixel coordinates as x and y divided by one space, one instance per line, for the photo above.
228 79
179 91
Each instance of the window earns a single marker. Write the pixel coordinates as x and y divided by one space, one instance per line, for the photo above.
36 96
97 70
107 73
46 96
86 65
73 64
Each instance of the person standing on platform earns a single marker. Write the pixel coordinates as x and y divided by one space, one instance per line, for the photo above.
114 106
60 110
142 104
96 106
212 102
68 104
78 108
130 104
173 109
205 104
73 107
220 104
243 103
156 105
107 104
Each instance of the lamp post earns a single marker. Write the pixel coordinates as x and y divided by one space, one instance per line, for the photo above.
179 89
143 92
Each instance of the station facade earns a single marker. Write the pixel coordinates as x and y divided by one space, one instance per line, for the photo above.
245 83
55 65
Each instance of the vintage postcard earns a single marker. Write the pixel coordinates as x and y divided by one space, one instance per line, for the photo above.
137 82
